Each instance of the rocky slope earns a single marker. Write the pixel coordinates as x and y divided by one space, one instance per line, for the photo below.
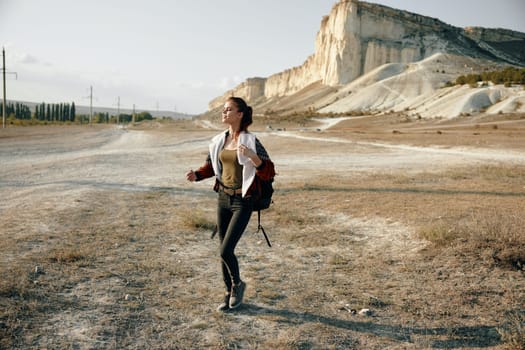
360 44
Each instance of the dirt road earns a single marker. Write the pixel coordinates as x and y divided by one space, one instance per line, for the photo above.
70 162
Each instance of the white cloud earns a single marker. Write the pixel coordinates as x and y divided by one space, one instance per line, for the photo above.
227 83
28 59
15 56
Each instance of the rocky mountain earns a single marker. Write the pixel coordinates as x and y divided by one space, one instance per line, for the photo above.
372 57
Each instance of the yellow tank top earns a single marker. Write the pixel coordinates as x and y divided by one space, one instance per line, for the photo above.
231 169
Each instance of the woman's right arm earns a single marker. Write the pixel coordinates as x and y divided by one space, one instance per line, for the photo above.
204 172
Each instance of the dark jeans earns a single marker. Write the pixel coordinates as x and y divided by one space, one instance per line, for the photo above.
233 215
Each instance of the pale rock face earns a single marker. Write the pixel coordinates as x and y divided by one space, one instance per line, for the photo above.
358 37
251 90
493 35
353 40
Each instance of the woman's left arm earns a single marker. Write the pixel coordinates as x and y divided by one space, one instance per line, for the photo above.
266 169
260 159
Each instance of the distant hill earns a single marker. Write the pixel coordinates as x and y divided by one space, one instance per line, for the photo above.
113 111
374 58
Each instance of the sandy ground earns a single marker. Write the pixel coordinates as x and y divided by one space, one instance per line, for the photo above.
59 168
55 168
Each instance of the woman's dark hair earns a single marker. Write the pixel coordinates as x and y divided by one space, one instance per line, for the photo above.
246 110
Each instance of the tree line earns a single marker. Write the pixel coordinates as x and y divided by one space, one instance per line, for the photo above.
16 110
507 76
53 112
19 113
60 112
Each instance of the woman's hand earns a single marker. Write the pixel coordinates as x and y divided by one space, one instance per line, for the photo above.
191 176
245 151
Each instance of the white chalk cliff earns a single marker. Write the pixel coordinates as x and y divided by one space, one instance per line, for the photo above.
372 57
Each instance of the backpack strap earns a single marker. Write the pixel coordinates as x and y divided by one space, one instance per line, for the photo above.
260 228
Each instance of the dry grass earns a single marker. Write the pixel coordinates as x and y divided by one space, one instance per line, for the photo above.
437 257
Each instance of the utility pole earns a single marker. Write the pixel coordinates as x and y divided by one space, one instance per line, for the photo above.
133 119
118 110
3 75
3 78
90 104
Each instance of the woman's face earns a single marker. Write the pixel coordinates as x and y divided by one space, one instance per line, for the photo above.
231 114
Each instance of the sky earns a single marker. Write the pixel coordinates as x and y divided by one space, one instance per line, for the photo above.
178 55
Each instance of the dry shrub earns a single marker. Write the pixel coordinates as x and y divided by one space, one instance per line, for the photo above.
67 255
510 173
19 302
500 234
441 234
13 283
495 234
300 225
288 216
513 332
197 219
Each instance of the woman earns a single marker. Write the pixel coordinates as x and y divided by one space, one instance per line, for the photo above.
235 157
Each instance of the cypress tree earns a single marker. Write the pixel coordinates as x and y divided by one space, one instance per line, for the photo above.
72 112
66 111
